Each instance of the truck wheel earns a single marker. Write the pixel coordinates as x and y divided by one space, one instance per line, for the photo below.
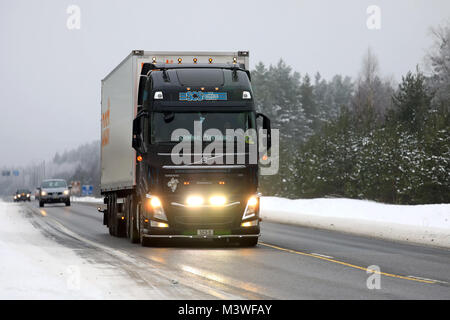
248 242
112 219
41 204
132 221
68 203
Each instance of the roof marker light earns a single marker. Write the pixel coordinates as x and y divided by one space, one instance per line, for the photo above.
153 60
234 60
246 95
179 60
210 60
158 95
195 60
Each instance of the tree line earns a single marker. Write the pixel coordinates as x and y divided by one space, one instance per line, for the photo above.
364 138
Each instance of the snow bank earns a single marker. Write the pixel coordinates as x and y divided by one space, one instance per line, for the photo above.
32 266
423 224
86 199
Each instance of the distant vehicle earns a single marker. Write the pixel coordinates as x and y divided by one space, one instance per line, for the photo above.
54 191
22 195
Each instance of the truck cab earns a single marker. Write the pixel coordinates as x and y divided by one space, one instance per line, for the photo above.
195 137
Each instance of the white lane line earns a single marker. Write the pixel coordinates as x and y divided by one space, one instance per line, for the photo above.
427 279
321 255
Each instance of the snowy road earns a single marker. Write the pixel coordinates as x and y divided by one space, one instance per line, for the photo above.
290 263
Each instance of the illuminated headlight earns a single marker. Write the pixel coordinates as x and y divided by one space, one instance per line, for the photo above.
217 201
158 224
154 205
66 192
43 193
253 223
15 197
251 208
28 195
194 201
158 95
246 95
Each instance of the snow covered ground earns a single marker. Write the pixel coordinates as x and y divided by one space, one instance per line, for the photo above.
35 266
86 199
424 224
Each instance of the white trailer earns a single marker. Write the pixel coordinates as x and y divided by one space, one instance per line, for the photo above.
119 108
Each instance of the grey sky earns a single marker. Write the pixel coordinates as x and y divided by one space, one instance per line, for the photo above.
50 76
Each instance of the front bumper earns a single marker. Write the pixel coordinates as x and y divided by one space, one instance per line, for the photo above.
47 199
180 236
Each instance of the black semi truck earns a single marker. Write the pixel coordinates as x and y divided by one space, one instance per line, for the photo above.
180 148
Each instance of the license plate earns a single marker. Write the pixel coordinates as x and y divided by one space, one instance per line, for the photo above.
205 232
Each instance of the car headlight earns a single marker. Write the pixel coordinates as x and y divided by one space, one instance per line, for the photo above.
66 192
28 195
43 193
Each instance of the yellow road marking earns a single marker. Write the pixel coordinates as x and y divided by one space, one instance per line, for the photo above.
345 263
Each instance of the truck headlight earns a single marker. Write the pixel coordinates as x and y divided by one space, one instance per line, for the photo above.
158 224
66 192
251 208
43 193
252 223
28 195
155 205
194 201
217 201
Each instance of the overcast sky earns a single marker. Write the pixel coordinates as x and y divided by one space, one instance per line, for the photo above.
50 75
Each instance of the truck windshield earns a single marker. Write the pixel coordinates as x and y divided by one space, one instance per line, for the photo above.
54 184
165 123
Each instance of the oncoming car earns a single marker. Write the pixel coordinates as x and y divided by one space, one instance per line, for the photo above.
22 195
54 191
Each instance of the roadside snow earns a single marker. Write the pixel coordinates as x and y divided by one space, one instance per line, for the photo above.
33 266
86 199
424 224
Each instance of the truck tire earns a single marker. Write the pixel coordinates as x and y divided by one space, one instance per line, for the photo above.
132 220
41 204
68 203
248 242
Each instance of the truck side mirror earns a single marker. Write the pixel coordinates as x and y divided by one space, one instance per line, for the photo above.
266 126
136 144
